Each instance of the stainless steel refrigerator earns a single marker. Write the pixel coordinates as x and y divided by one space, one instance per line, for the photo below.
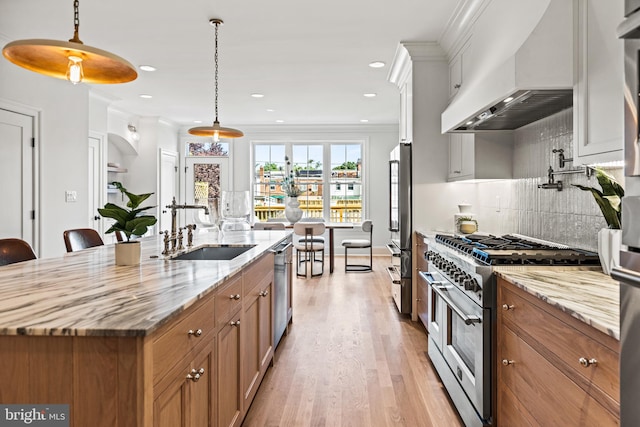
400 226
628 273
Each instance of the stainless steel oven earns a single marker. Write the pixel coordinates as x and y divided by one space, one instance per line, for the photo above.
460 345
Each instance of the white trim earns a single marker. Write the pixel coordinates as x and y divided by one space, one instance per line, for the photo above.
102 172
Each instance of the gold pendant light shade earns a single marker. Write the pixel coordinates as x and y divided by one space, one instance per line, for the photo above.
216 131
51 57
71 60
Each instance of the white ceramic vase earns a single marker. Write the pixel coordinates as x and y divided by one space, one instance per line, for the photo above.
609 244
127 253
292 211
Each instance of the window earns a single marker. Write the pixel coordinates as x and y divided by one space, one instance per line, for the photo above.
333 193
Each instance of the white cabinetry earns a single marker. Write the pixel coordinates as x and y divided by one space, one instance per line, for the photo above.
457 69
406 109
598 93
486 155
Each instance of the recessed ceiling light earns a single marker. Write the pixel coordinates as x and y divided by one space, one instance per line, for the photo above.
197 121
270 110
370 95
364 121
376 64
147 68
145 96
279 121
509 99
257 95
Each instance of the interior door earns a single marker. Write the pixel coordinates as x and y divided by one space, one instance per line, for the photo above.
17 216
96 183
168 186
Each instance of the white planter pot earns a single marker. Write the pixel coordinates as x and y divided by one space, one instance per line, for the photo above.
292 211
609 244
127 253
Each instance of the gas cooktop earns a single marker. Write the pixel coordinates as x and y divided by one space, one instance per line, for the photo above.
514 249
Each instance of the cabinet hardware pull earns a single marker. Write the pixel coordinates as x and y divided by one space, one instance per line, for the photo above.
507 362
587 362
196 333
195 375
236 296
457 86
236 323
507 307
264 293
456 171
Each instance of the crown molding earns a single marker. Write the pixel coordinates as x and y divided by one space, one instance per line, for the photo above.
409 52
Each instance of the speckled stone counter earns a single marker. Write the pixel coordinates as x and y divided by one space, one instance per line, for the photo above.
589 296
85 293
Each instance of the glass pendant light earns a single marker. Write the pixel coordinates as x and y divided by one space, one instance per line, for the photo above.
72 60
216 131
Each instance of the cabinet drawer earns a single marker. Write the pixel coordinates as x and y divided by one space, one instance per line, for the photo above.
229 299
191 329
550 397
545 325
257 272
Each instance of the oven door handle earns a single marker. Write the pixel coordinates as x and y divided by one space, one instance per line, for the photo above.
429 278
468 319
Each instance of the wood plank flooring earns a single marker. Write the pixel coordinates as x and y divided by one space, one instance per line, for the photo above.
350 359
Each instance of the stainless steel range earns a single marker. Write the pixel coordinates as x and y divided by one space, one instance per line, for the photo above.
462 309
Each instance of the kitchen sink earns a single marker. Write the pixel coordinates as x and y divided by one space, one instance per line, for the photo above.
215 253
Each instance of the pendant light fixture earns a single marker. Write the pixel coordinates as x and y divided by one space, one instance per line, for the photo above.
216 131
70 60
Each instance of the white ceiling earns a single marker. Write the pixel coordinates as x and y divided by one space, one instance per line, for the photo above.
309 58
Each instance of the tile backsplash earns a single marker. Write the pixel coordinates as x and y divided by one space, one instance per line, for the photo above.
570 216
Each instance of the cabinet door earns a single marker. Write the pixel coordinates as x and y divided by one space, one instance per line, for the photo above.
406 110
461 156
171 406
455 75
265 324
599 107
455 156
228 364
202 392
251 345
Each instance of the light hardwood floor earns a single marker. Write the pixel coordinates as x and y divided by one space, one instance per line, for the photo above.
350 359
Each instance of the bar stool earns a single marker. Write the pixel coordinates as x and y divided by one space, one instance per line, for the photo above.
81 238
367 227
15 250
308 247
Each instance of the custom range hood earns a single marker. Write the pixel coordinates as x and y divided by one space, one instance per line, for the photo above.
534 82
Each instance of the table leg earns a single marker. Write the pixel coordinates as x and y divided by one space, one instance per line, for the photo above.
330 250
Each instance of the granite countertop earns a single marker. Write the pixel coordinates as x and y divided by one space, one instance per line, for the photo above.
85 293
589 296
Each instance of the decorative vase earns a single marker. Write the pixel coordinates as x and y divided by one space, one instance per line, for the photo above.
609 245
292 211
128 253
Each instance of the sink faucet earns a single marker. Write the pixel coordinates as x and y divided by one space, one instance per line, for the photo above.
174 212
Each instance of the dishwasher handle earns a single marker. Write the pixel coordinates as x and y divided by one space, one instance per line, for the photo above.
281 249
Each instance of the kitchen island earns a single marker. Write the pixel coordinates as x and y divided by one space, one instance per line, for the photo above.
166 343
557 348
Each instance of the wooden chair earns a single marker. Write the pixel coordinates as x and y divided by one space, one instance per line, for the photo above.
268 226
307 247
15 250
367 227
81 238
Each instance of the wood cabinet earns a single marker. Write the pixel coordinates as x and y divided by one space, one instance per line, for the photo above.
422 288
552 369
486 155
598 93
257 332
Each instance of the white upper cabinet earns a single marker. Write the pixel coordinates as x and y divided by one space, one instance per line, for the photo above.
406 109
485 155
458 69
598 93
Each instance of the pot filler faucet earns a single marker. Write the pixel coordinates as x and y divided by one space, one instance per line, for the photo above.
174 226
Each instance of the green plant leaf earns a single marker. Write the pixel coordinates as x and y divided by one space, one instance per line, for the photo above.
611 216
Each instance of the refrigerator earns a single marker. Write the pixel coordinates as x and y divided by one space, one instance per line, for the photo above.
628 272
400 226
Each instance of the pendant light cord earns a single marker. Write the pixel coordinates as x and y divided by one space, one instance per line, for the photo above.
216 76
76 22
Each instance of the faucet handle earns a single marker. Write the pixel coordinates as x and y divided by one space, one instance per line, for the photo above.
190 228
180 237
166 243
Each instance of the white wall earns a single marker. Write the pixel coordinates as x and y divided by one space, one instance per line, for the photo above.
63 148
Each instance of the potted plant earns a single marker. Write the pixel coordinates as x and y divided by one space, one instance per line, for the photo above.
129 222
467 224
609 199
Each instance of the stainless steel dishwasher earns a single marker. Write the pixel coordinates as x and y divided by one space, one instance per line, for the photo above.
282 309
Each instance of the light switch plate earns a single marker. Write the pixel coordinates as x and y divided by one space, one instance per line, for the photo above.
70 196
